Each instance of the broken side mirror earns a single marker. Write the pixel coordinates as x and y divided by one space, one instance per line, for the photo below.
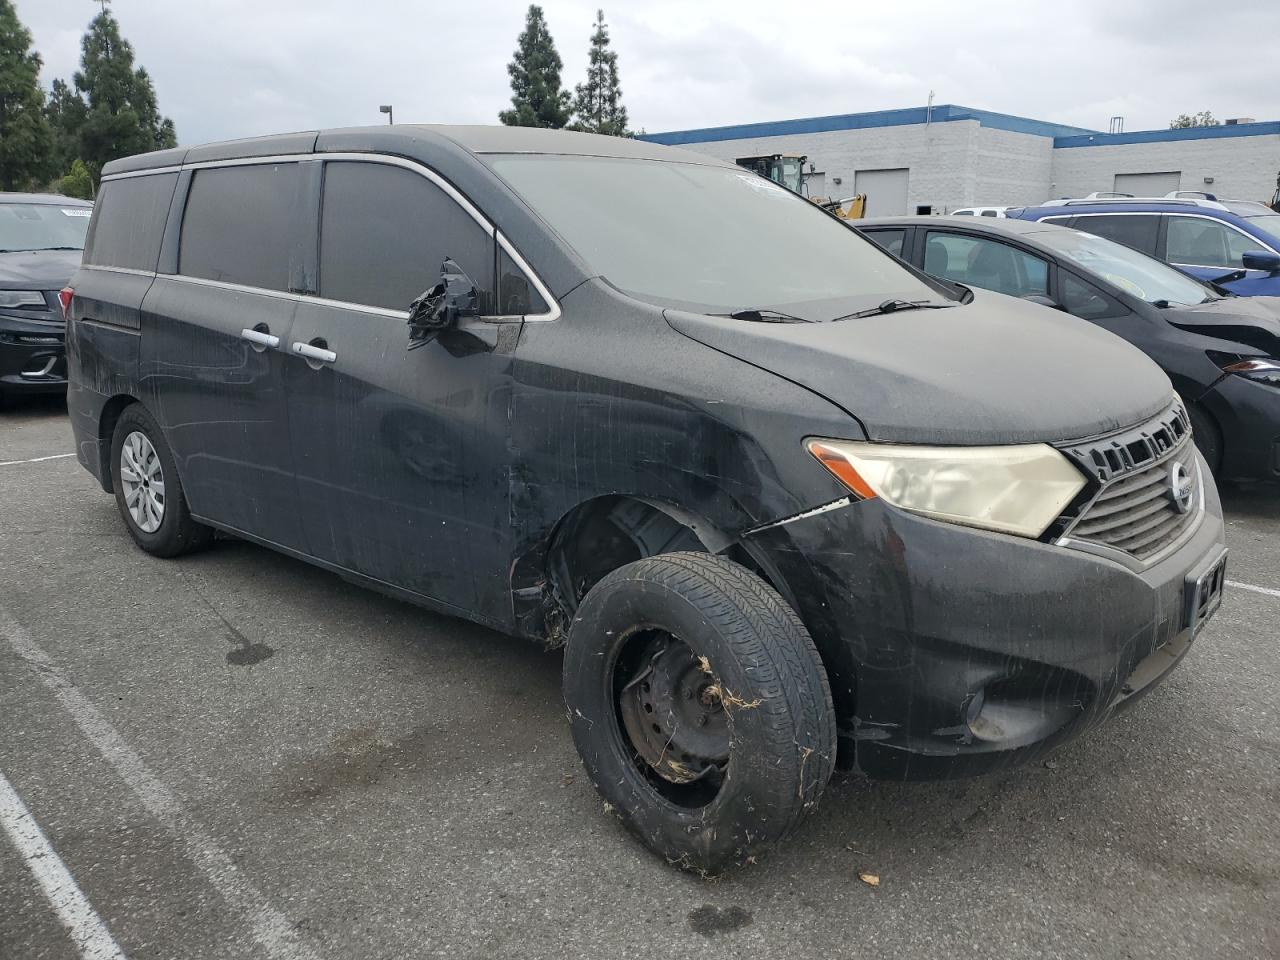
441 307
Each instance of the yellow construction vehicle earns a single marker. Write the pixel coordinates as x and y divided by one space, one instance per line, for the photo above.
788 170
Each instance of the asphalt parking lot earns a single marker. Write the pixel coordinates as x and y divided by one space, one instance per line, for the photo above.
237 755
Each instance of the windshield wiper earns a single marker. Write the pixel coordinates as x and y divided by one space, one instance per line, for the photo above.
893 306
765 316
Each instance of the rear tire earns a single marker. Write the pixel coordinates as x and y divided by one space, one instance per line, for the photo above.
700 708
1207 436
149 494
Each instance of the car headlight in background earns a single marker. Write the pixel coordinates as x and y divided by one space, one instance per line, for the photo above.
1019 489
20 299
1262 369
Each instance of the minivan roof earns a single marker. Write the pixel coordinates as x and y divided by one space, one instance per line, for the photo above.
476 139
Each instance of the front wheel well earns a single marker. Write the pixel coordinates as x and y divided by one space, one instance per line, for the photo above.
601 535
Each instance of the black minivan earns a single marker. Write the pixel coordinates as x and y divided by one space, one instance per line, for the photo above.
779 496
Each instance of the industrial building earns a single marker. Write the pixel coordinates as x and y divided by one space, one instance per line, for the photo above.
936 159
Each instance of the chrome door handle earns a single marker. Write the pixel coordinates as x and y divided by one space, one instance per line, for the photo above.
259 338
314 353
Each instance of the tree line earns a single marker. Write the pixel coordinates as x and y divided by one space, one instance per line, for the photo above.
538 99
62 139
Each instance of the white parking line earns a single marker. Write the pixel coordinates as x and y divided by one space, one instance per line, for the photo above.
72 907
270 927
1268 591
56 456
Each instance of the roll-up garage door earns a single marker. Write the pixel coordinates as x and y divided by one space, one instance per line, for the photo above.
886 191
1148 184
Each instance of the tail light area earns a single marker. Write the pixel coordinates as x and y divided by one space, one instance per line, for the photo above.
65 296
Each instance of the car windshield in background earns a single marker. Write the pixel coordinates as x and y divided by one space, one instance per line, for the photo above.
1268 224
1133 272
42 226
708 238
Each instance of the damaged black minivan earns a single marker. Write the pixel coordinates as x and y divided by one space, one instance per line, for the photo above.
783 500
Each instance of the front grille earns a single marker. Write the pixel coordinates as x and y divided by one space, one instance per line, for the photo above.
1140 474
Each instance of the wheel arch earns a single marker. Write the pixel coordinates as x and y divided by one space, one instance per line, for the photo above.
107 419
598 535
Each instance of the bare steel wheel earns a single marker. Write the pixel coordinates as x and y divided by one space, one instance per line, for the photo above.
143 481
700 707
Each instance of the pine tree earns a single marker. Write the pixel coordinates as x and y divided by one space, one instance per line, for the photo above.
537 98
25 140
598 102
66 112
122 116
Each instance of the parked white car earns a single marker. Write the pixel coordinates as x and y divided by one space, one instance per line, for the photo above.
979 212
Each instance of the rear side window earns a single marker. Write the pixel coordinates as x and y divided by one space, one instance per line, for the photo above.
128 222
237 227
891 240
985 263
385 231
1133 231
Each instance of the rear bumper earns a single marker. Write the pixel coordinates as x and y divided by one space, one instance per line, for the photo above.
1249 414
32 356
953 651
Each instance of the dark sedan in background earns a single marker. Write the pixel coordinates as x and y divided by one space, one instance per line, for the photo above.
41 240
1222 352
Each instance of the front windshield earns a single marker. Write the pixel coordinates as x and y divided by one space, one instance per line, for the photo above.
1135 273
1268 224
708 238
42 226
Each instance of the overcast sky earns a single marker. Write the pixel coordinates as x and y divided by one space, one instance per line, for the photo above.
232 68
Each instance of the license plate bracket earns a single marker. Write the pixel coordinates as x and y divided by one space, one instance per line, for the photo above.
1203 592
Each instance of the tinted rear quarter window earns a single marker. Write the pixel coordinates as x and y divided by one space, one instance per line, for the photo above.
128 222
385 231
891 240
987 263
237 227
1138 232
1083 299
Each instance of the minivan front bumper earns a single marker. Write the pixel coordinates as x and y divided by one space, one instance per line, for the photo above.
954 651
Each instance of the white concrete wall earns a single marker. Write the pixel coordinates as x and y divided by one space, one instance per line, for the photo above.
962 163
1243 168
1011 169
939 157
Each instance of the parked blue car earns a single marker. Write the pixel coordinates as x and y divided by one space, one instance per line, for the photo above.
1233 243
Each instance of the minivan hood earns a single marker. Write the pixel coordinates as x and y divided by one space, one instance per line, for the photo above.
997 370
37 269
1254 321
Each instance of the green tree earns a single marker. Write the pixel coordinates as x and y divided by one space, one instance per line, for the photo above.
598 102
1202 119
122 117
25 140
77 183
66 112
537 99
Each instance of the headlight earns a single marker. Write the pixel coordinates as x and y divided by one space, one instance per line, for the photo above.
1014 489
16 299
1255 368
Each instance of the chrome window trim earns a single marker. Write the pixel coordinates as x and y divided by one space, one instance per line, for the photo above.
553 311
151 171
132 271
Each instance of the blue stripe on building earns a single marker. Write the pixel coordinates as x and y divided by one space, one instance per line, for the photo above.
1062 135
